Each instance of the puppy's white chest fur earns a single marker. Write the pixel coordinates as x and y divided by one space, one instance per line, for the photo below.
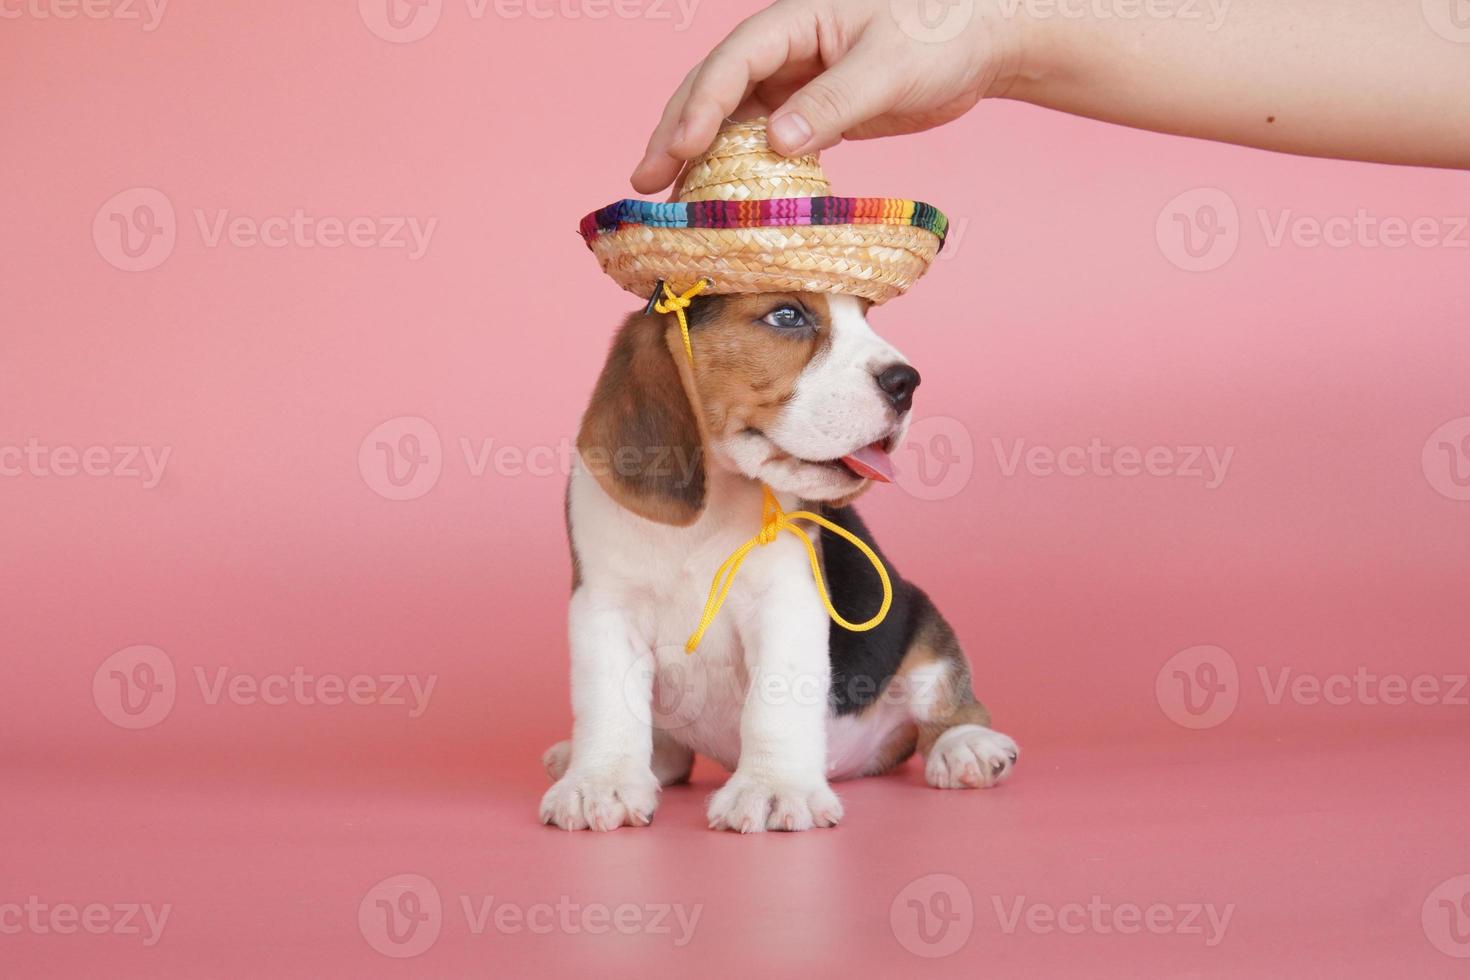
662 576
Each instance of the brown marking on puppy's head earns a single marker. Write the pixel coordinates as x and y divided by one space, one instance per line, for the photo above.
782 385
745 370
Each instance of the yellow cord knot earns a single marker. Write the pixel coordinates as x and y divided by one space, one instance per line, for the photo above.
773 521
770 517
677 304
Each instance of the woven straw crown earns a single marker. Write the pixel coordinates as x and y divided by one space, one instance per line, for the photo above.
751 220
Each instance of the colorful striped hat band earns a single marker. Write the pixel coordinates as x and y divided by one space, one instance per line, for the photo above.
751 221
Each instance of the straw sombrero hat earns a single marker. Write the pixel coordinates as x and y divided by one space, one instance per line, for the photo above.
750 221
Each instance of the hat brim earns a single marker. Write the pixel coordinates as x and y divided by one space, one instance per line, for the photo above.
875 248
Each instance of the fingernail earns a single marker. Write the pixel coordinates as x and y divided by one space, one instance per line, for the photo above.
790 131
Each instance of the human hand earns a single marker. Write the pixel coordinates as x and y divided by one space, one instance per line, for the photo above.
828 69
1231 70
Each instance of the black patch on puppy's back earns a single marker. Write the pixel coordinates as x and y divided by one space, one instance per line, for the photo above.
863 663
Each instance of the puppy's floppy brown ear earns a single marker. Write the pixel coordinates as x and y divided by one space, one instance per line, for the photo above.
640 437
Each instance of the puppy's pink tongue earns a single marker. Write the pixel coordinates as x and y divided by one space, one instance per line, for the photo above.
871 463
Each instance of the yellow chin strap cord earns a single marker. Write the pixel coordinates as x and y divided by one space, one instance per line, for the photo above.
773 519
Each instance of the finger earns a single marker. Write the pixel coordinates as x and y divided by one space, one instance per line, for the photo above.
856 89
658 169
754 51
754 107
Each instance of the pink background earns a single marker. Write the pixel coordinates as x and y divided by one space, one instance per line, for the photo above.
1336 540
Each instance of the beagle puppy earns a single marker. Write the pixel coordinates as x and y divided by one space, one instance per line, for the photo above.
794 391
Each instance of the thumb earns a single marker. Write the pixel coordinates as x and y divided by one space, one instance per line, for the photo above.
845 96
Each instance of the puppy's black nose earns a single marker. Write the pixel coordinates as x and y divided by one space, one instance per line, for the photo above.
898 382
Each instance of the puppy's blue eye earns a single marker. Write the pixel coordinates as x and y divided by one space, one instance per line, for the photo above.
785 318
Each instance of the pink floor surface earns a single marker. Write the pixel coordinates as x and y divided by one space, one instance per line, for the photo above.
1285 857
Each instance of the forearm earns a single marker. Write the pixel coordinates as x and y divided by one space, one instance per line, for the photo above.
1359 79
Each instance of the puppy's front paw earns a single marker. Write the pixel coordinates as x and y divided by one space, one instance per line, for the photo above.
970 757
582 800
751 804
